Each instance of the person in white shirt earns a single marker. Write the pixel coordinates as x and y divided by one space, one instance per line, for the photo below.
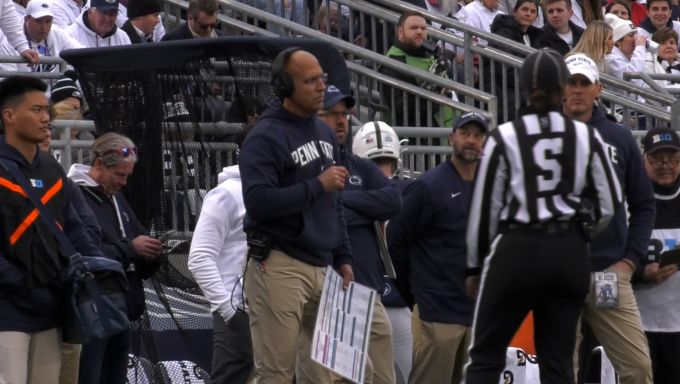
12 28
480 14
96 26
216 260
629 52
66 11
42 36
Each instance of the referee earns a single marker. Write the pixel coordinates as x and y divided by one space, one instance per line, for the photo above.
528 226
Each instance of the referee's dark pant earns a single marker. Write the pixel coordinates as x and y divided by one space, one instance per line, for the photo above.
547 271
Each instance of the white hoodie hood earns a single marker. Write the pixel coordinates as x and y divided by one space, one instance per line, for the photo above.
231 172
80 174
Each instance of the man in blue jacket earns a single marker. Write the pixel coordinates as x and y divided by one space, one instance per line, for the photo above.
622 246
31 262
429 235
294 221
369 199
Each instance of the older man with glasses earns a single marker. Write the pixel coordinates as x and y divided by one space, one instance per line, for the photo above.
96 27
656 294
123 239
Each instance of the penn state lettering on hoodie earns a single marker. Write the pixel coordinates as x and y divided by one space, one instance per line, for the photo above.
280 162
369 196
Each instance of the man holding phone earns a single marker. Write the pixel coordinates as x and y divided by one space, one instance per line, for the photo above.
657 295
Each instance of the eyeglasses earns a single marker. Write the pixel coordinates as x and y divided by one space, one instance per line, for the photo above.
336 114
659 163
316 79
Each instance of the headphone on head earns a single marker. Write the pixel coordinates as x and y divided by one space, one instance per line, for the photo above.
281 80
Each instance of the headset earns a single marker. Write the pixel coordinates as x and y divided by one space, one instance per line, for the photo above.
281 80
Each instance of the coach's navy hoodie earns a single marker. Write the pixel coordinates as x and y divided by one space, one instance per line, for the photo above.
368 197
429 236
624 238
280 162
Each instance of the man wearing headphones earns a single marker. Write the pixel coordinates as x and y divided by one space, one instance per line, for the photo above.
294 221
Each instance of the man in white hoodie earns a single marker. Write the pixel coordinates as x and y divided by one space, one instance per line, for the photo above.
216 260
96 26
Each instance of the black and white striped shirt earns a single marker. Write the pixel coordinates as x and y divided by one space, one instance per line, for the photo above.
537 169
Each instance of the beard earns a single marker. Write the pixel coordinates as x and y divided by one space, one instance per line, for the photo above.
466 155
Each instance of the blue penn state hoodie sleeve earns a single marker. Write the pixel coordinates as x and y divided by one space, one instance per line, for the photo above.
379 199
280 162
627 235
368 197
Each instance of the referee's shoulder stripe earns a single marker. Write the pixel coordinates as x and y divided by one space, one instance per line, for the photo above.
557 122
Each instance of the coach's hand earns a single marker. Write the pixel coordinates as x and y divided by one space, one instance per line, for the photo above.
658 275
333 178
347 274
472 286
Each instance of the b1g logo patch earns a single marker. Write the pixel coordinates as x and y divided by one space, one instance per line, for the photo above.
36 183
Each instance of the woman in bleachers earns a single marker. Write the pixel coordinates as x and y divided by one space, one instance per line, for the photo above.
596 42
667 53
620 8
518 26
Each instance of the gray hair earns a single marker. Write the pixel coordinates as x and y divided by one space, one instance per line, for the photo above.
114 148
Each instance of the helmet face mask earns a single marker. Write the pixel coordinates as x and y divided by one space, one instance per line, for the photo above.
372 143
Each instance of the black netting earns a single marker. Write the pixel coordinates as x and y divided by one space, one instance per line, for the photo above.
185 104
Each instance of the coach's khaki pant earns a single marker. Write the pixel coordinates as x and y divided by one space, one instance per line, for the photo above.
70 363
30 358
440 352
619 330
283 298
380 346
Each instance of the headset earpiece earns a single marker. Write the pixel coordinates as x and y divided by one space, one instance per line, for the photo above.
281 81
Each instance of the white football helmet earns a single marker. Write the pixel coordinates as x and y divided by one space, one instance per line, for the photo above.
375 140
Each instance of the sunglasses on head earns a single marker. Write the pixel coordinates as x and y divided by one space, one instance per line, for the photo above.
124 151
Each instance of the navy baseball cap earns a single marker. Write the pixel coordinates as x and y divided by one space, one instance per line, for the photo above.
104 5
333 96
472 118
660 138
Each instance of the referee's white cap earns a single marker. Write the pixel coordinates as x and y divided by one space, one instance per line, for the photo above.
544 70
